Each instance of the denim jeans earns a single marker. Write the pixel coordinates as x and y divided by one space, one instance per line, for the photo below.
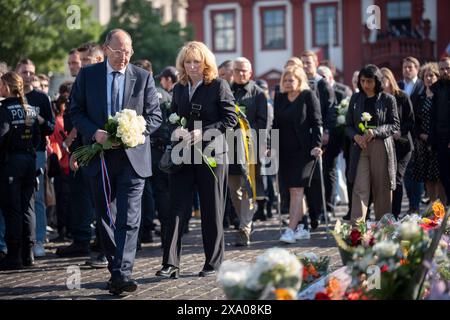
41 215
414 189
2 233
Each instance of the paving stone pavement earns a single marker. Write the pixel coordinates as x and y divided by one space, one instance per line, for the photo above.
52 277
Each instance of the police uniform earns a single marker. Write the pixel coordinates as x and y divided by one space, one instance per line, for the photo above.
19 138
155 196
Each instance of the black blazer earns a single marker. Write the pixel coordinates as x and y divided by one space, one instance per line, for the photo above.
407 120
308 117
217 108
418 90
88 110
255 101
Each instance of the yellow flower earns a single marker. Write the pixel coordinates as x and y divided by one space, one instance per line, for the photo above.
284 294
439 210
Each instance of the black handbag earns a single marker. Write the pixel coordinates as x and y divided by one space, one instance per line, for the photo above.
166 165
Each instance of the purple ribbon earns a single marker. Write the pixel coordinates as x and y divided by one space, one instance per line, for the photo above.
106 192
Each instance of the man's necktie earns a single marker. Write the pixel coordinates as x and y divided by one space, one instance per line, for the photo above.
115 104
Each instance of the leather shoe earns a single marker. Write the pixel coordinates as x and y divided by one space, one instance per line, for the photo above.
73 250
98 262
169 272
206 273
120 286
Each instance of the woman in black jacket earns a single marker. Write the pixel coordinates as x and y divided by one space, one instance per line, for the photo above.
402 139
372 120
19 137
208 105
297 117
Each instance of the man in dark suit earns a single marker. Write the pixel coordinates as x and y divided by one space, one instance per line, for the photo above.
414 88
102 90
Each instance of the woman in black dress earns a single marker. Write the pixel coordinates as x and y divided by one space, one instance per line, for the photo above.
426 168
207 103
297 117
402 139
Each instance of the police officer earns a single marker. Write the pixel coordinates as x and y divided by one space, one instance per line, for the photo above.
19 137
156 190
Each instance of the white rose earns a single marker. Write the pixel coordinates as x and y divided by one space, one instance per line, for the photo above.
341 119
409 230
233 273
365 116
385 249
174 118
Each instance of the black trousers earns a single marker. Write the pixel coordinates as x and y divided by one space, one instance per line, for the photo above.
212 194
331 153
402 163
155 197
443 157
17 187
120 240
82 211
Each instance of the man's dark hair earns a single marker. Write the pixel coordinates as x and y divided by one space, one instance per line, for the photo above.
24 61
72 51
91 48
144 64
371 71
226 64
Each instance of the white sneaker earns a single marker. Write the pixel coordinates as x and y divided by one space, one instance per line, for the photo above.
288 236
301 233
39 250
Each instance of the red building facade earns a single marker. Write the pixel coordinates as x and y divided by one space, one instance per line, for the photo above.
268 32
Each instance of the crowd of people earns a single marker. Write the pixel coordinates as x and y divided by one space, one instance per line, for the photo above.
382 134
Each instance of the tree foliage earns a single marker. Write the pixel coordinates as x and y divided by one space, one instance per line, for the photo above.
42 30
152 40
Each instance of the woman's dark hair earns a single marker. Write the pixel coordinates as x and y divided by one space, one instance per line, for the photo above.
371 71
58 105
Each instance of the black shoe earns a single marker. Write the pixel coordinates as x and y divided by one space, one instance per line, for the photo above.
28 257
108 284
206 273
120 286
73 250
147 237
169 272
314 224
98 262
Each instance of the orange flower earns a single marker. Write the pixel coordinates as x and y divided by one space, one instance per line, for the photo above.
333 287
403 262
439 210
284 294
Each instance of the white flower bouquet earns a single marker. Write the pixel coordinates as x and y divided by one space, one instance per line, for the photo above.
125 130
275 272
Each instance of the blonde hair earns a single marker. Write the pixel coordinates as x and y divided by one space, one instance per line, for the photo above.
199 51
309 53
430 66
298 73
392 82
14 82
293 61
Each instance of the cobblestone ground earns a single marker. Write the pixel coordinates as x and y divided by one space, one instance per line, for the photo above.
48 278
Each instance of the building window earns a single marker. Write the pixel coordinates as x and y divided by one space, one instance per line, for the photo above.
273 26
399 16
324 17
224 30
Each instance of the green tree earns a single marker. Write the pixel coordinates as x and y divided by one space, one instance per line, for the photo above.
44 31
152 40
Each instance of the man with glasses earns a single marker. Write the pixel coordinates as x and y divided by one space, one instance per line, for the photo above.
100 91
